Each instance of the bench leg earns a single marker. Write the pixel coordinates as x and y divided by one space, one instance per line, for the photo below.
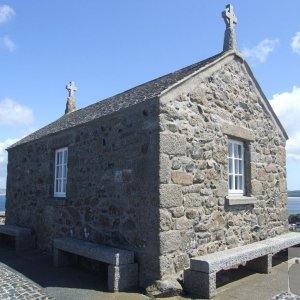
62 258
23 243
200 284
122 277
261 264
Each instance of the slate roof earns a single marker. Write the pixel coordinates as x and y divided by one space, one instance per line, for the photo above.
115 103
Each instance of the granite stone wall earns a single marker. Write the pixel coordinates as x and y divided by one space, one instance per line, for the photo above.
153 177
112 188
197 215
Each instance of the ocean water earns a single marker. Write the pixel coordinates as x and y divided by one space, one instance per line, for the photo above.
293 205
2 203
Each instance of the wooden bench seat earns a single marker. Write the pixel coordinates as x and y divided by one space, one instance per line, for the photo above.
24 238
122 271
200 278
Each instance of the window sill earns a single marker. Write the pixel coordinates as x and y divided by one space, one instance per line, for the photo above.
240 200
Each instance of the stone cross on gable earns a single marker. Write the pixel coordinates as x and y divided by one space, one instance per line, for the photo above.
72 88
229 37
71 102
229 16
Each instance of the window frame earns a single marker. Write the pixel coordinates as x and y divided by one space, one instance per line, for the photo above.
63 166
240 173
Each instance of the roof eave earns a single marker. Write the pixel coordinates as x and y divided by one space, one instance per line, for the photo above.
200 70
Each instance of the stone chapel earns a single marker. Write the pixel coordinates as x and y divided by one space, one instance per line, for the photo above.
182 166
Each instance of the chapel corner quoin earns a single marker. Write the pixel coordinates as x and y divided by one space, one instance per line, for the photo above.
186 165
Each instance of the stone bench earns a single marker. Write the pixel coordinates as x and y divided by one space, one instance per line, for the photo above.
122 271
24 239
200 278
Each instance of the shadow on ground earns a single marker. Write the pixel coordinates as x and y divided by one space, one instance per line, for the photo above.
229 280
39 268
66 283
76 282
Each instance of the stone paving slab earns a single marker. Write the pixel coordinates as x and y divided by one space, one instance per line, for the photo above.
14 286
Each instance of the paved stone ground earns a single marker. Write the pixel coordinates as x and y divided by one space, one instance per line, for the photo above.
31 276
14 285
286 296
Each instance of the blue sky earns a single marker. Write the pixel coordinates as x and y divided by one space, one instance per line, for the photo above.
107 47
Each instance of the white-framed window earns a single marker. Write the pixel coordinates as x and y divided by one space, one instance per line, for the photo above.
61 172
236 174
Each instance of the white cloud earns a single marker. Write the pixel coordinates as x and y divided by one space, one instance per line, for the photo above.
287 108
261 51
13 113
295 44
3 145
3 160
6 13
8 43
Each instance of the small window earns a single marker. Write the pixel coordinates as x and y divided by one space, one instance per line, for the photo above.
61 172
236 174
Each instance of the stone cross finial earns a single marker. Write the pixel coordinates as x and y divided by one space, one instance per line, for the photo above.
71 103
229 16
230 20
72 88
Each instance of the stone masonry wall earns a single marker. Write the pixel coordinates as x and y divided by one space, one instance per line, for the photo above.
197 118
112 188
153 177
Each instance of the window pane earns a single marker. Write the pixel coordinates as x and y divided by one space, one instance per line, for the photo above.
236 151
241 167
56 186
230 149
236 182
236 166
239 151
64 185
66 156
61 157
65 171
61 169
240 182
230 165
230 182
